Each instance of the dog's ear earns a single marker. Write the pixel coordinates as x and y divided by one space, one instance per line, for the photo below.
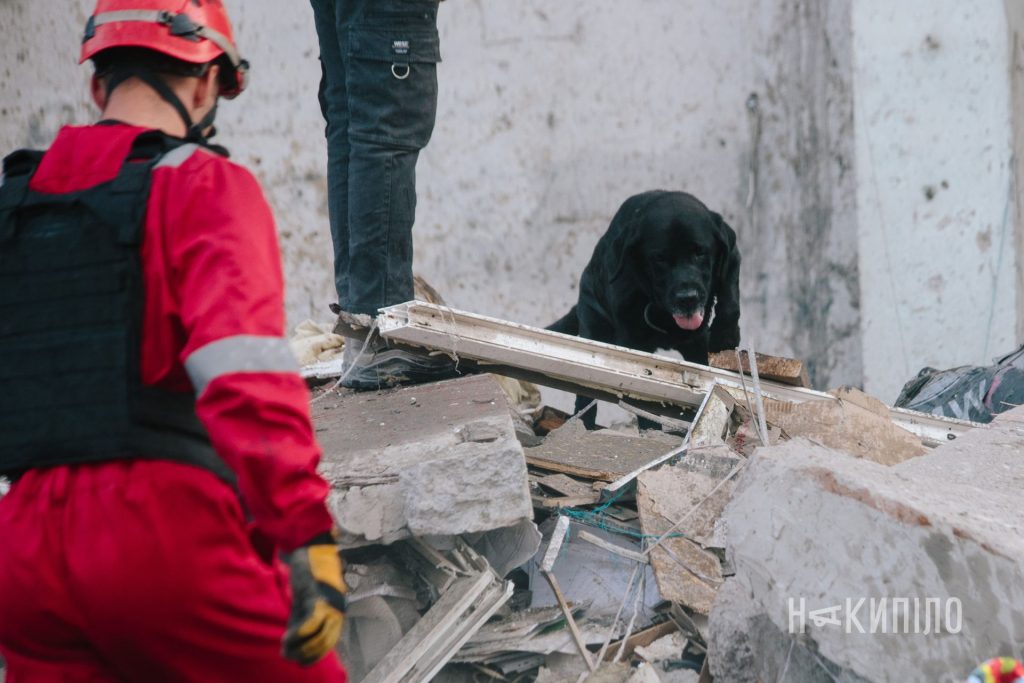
625 227
725 328
623 249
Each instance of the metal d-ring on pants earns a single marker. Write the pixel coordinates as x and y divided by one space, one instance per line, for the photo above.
378 95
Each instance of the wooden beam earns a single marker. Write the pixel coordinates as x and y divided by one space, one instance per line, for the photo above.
573 628
612 548
775 368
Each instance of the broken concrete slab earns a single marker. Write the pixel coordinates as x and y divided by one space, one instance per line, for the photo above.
909 572
567 492
712 419
566 485
857 424
685 572
433 459
759 650
604 454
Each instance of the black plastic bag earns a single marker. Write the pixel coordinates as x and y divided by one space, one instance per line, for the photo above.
969 392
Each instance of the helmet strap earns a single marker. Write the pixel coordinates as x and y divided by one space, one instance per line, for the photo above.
193 131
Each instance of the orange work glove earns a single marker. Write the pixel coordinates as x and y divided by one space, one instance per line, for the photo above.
318 601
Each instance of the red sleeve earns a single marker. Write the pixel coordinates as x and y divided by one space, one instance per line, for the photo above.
225 272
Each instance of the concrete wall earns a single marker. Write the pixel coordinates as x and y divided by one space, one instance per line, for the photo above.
552 113
935 191
800 281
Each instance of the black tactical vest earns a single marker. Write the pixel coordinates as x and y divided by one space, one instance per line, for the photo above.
71 303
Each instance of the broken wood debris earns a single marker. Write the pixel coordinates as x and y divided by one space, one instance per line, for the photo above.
462 609
636 548
598 455
774 368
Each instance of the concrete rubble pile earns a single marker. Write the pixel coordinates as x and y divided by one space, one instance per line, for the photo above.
489 536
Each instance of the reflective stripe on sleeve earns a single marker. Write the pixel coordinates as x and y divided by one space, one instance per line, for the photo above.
241 353
177 156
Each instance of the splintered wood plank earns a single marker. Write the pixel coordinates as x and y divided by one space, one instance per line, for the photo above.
565 485
565 501
421 640
571 449
776 368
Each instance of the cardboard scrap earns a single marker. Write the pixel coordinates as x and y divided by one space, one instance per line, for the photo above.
857 424
671 492
686 572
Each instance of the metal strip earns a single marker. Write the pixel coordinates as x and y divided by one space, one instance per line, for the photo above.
614 369
238 354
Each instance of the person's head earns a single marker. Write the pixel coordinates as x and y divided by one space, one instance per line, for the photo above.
181 52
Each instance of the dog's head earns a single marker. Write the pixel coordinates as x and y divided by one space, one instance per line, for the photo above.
684 257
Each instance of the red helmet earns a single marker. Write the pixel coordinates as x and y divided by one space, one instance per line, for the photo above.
195 31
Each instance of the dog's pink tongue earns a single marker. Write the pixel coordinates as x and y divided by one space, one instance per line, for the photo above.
688 322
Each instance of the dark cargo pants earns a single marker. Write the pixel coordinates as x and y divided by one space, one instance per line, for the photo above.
378 95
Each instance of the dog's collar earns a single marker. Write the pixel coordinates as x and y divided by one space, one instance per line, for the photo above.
647 319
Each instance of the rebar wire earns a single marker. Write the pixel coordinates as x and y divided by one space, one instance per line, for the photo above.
785 667
454 338
618 614
641 590
693 509
762 424
577 415
746 394
1010 194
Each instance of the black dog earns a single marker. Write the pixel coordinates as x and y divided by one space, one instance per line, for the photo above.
664 275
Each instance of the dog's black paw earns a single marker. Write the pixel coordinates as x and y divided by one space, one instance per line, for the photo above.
723 337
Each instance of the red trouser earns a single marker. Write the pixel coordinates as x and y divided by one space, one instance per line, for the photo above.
138 571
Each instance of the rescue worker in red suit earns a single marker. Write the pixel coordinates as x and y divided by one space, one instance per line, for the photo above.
165 520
